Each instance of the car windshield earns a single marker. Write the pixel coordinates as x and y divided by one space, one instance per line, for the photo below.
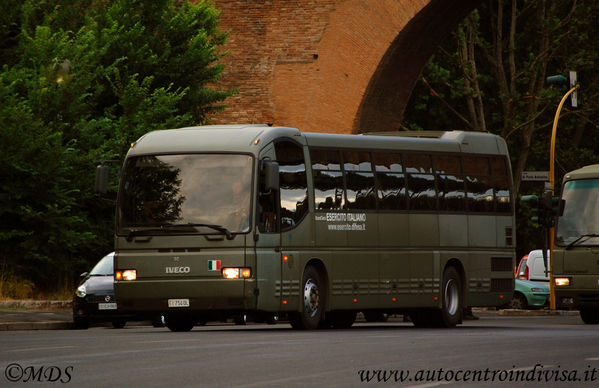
578 224
189 193
104 266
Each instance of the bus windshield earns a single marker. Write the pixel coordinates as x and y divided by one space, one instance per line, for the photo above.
578 223
186 193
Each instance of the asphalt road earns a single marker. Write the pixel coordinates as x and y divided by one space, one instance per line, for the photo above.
493 351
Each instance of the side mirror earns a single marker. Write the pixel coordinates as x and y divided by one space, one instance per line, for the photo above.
562 205
101 179
270 171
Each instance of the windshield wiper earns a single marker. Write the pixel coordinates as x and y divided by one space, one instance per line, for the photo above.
173 228
588 235
141 232
218 228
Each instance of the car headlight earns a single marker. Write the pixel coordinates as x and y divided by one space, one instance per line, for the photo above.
81 291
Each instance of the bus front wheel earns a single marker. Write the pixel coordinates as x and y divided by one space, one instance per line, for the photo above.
179 322
312 301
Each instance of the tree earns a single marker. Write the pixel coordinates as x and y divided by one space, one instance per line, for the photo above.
491 76
81 80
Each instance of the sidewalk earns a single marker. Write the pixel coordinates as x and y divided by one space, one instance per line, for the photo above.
35 315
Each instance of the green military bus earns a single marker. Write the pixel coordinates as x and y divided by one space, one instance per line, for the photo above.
575 261
219 222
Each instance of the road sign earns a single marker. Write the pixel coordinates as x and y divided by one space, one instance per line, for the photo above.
541 176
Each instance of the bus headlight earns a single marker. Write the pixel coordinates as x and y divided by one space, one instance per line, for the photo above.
560 282
127 274
236 273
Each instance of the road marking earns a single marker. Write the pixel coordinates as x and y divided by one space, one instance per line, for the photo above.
592 359
430 385
532 367
44 348
161 341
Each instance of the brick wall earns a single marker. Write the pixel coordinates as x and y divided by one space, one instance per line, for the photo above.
322 65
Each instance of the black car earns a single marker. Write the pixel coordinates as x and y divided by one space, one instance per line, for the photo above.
94 298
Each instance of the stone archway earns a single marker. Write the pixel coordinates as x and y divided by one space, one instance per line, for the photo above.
329 65
389 90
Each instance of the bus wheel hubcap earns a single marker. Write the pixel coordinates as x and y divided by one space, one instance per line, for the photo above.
311 297
452 297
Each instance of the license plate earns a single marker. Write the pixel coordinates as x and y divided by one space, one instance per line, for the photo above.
107 306
178 303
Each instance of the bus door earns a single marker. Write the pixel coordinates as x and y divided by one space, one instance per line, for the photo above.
296 227
267 237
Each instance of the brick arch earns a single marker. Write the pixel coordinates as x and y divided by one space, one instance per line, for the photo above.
389 90
329 65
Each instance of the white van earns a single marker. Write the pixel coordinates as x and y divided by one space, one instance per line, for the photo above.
534 267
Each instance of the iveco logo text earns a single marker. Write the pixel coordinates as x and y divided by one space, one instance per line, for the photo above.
177 269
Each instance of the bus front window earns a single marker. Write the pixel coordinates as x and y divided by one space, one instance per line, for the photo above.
186 190
578 223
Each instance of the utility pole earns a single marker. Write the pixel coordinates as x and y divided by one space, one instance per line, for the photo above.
574 85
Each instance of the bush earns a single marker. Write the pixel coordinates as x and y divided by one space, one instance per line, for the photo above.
81 80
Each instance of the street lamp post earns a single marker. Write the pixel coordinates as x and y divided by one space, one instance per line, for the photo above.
573 87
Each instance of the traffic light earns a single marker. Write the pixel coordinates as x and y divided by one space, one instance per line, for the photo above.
549 208
570 81
557 80
553 208
544 210
533 203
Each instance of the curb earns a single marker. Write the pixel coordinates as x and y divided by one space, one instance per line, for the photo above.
37 304
535 313
56 325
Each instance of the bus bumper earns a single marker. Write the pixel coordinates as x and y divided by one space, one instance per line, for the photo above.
180 296
582 292
576 299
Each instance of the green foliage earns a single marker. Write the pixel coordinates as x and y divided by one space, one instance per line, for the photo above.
486 78
80 81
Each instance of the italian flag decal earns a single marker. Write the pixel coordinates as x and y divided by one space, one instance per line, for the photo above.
213 265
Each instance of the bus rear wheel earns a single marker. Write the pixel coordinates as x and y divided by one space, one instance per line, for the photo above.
450 313
451 303
312 301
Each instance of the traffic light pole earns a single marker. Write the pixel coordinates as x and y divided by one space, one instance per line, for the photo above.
552 182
